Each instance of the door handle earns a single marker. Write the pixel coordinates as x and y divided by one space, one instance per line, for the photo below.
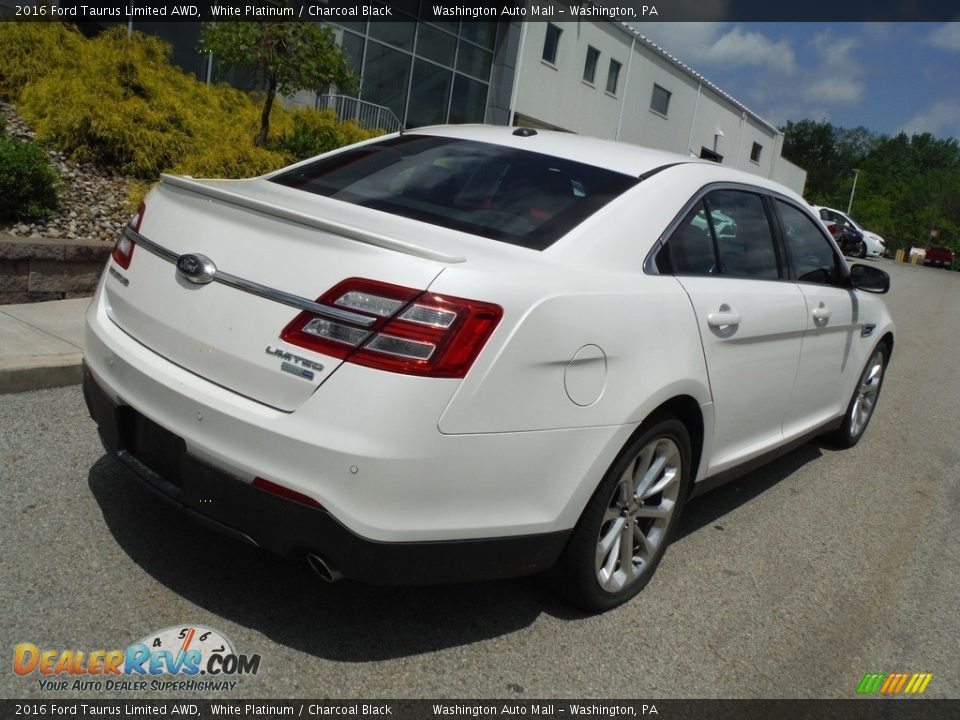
822 313
724 316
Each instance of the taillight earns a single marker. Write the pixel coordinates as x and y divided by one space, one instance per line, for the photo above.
123 250
413 332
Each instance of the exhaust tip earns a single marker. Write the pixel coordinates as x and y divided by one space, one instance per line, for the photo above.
324 569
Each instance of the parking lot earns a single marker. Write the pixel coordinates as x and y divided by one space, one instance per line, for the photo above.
793 581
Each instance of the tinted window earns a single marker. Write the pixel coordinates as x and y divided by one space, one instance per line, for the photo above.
590 65
613 77
812 256
744 239
550 44
660 100
501 193
429 94
690 250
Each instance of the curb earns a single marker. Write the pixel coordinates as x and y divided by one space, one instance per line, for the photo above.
39 372
41 344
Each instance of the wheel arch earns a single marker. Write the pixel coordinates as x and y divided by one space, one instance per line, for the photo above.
887 339
686 410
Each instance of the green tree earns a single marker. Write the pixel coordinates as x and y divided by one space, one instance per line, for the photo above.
286 56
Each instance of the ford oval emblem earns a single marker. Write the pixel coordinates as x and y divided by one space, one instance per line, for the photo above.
196 268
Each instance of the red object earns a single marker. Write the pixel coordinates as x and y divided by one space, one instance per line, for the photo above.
123 250
939 256
450 343
285 492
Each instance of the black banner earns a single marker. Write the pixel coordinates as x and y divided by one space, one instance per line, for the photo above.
477 10
864 709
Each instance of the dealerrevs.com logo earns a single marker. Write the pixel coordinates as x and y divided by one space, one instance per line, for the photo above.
181 658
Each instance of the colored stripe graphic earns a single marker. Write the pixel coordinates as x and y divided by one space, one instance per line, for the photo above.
894 683
871 683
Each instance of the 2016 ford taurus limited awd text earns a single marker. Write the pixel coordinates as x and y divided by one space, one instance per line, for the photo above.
472 352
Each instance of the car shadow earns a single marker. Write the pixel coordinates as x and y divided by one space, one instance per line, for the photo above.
710 507
348 621
284 600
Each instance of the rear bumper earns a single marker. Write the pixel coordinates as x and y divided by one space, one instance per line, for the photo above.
236 508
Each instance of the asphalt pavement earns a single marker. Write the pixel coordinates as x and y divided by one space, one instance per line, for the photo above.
793 581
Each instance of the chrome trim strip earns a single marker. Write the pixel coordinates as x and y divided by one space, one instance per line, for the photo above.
150 245
253 288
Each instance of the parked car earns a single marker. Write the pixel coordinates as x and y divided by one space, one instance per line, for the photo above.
937 255
873 244
474 352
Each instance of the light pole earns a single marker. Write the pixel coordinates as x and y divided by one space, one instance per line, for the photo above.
856 174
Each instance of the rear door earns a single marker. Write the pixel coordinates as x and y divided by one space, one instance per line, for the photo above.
750 320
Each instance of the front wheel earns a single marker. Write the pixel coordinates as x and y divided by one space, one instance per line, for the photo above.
864 401
626 527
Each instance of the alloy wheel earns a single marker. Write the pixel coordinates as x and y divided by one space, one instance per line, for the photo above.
865 399
638 515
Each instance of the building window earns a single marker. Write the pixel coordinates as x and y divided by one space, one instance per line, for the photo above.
660 101
708 154
550 43
590 66
755 152
613 76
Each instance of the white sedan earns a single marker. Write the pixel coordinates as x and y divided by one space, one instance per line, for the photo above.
874 244
472 352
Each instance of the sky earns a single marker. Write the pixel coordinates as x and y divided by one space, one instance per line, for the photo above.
887 77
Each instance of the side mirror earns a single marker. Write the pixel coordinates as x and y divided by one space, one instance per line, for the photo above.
869 279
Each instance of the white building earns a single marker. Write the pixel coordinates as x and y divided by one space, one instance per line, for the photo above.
604 79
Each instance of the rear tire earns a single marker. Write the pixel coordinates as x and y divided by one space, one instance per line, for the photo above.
625 528
864 400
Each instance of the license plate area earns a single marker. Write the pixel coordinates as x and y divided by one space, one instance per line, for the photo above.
154 446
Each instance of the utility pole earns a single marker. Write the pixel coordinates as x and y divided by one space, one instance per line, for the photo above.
856 174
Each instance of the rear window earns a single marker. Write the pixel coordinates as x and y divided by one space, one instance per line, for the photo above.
514 196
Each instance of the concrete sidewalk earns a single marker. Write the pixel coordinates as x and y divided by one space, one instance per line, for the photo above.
41 344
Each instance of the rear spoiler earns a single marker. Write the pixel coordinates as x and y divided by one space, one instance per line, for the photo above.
200 187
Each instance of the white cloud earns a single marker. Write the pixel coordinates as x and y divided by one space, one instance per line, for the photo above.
832 74
834 91
739 48
718 45
945 37
941 119
835 52
685 41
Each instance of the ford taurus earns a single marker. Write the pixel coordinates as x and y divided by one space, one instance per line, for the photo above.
472 352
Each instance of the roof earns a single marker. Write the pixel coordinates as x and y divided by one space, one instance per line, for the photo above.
620 157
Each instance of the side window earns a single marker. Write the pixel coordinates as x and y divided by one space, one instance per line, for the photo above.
813 257
690 250
744 239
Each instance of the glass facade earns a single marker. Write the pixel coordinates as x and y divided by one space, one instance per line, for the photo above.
425 73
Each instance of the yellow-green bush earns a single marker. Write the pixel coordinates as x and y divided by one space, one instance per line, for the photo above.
117 101
123 105
32 50
318 131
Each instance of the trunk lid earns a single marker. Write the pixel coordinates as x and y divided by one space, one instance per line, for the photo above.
277 239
